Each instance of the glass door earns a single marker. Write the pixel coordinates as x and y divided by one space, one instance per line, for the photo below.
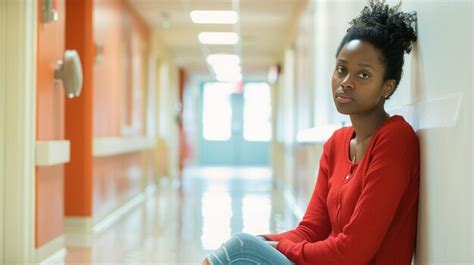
235 125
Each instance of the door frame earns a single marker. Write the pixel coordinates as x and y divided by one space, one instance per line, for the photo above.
2 116
18 43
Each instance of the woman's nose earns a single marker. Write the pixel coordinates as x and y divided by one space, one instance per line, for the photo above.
347 82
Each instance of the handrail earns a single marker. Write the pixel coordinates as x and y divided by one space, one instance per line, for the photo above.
110 146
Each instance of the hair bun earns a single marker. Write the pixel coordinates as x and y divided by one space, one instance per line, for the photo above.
397 26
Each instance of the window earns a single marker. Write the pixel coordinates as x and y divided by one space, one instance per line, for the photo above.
257 112
217 111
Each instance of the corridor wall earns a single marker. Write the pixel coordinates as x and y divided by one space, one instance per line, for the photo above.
41 123
440 92
112 143
166 126
119 102
50 101
435 96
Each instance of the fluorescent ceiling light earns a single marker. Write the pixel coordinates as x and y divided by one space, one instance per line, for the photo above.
218 38
221 59
214 17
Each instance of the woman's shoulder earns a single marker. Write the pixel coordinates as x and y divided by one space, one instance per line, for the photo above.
397 128
339 136
396 134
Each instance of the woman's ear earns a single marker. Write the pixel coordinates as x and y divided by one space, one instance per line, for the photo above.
389 87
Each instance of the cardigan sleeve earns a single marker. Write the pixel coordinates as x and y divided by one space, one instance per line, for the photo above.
315 224
390 172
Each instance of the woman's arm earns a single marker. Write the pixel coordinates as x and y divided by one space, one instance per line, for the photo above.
315 225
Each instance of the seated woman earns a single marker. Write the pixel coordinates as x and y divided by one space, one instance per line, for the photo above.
363 210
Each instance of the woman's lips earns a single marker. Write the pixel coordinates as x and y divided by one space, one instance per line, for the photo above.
343 99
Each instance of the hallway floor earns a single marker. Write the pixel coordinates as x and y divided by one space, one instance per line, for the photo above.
181 227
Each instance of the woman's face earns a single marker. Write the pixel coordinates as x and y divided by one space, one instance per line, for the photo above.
357 81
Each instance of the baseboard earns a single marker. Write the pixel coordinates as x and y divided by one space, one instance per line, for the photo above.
79 229
107 221
53 252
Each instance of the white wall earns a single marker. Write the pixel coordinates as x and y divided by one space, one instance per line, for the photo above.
19 128
3 27
288 97
441 77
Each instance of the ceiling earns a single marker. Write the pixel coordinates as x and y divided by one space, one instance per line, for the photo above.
264 30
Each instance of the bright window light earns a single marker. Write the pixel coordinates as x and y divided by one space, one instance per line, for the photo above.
230 38
221 59
214 17
257 112
217 112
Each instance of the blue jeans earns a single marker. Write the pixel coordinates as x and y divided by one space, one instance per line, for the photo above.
245 249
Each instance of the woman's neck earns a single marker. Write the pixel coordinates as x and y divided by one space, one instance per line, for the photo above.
365 125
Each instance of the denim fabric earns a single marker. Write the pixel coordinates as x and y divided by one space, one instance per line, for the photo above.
245 249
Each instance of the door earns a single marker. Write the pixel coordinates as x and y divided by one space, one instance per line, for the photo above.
235 126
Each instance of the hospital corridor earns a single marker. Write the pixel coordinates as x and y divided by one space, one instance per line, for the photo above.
155 131
182 226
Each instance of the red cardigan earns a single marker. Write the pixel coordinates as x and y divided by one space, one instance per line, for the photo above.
368 218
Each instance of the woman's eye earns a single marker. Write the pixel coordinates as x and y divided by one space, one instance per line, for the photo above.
340 70
363 75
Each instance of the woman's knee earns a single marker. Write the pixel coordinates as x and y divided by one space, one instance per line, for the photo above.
246 239
244 246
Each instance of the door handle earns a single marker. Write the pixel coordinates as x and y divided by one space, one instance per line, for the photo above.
69 71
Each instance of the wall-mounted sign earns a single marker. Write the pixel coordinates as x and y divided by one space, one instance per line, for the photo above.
49 11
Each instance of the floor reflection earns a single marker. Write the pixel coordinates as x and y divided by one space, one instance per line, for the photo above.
182 227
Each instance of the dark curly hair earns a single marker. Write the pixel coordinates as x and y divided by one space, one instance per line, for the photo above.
389 30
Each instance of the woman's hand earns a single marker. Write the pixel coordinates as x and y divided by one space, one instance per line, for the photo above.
272 243
205 262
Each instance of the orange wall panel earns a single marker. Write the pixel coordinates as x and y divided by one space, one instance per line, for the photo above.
50 94
106 33
119 101
116 179
49 126
108 79
49 204
119 76
78 181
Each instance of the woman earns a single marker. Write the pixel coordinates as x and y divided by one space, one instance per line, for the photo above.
364 206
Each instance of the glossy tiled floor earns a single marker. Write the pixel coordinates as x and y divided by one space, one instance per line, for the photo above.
181 227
